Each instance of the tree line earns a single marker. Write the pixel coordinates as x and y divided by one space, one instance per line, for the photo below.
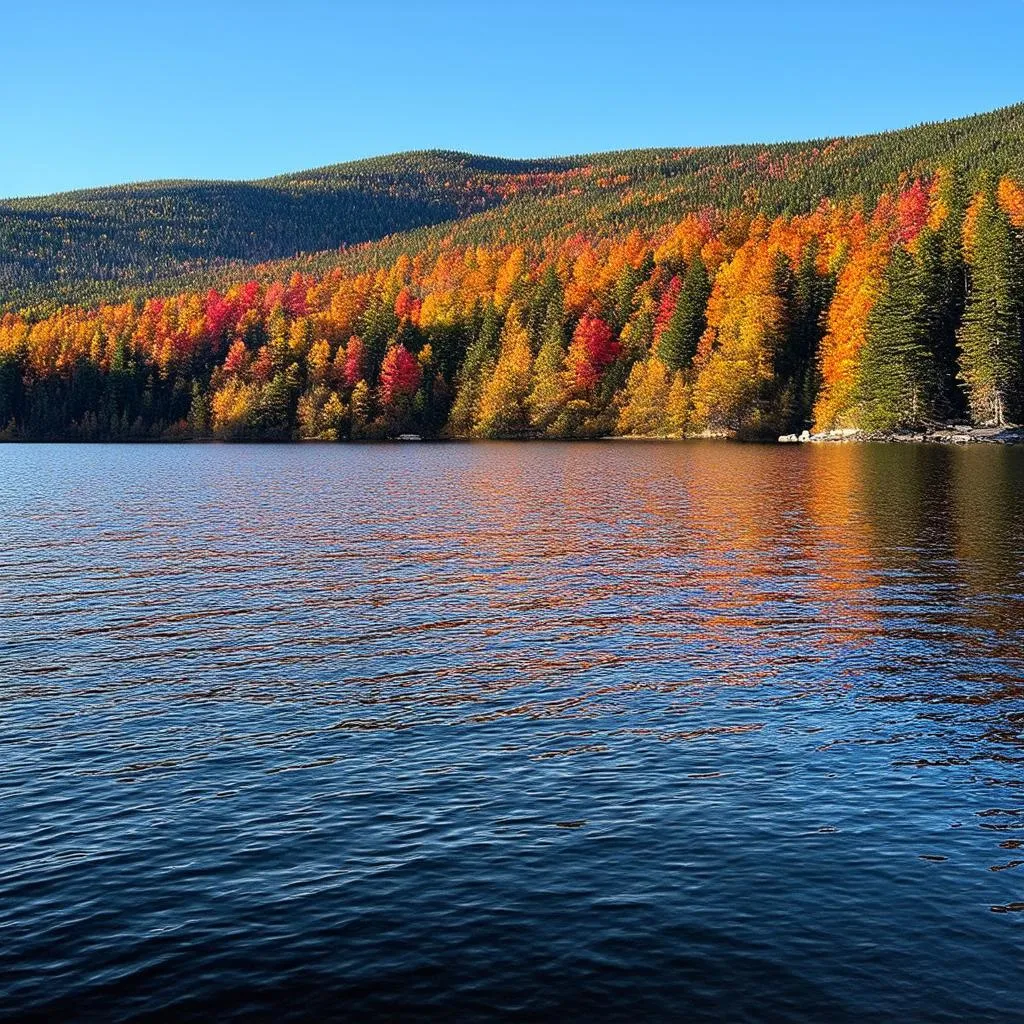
882 316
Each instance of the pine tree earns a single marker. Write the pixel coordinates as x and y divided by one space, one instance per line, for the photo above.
943 281
624 296
990 338
548 290
477 367
797 376
678 342
896 385
199 411
547 392
502 410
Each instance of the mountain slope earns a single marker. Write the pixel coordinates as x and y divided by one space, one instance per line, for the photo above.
871 282
101 243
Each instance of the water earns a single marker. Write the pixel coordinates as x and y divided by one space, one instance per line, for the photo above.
613 731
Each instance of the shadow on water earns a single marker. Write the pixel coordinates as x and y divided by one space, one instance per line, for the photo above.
687 973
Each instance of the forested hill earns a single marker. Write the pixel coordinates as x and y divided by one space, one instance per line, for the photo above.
751 290
111 242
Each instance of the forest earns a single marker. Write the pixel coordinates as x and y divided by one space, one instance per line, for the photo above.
875 283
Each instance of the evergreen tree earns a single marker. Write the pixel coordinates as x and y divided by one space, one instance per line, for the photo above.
548 289
897 383
943 281
990 339
624 296
199 411
477 367
547 392
806 295
678 342
379 328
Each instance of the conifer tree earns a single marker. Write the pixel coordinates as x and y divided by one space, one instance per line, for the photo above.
678 342
990 338
547 392
548 290
624 296
477 367
943 283
807 295
896 385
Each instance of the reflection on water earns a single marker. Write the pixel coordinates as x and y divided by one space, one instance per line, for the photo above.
581 730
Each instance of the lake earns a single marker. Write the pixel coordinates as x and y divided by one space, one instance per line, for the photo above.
590 731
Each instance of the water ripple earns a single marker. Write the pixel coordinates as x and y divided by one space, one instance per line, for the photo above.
586 731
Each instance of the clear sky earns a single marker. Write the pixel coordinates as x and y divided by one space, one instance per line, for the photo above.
122 90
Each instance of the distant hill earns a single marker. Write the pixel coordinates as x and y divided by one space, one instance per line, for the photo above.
103 243
871 283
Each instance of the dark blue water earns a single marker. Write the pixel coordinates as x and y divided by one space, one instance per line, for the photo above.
692 731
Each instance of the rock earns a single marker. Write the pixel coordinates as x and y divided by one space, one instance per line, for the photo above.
933 433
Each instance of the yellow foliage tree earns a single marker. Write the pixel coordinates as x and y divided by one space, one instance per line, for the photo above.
502 410
644 412
232 407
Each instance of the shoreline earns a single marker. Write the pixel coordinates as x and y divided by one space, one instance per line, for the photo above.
945 434
936 434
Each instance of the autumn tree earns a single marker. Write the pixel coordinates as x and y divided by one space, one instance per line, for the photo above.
399 379
746 327
502 410
477 367
857 288
547 387
644 411
592 350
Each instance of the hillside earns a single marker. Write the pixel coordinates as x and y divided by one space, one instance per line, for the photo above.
106 243
872 282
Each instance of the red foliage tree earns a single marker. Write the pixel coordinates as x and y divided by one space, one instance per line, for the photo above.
217 315
237 358
399 375
407 306
355 362
913 207
593 348
667 305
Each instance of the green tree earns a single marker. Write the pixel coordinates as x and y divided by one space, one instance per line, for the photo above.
547 392
897 381
477 367
807 295
199 411
990 338
943 282
678 342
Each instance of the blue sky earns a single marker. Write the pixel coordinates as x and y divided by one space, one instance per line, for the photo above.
104 92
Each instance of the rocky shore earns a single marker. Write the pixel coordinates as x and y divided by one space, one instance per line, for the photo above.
939 433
